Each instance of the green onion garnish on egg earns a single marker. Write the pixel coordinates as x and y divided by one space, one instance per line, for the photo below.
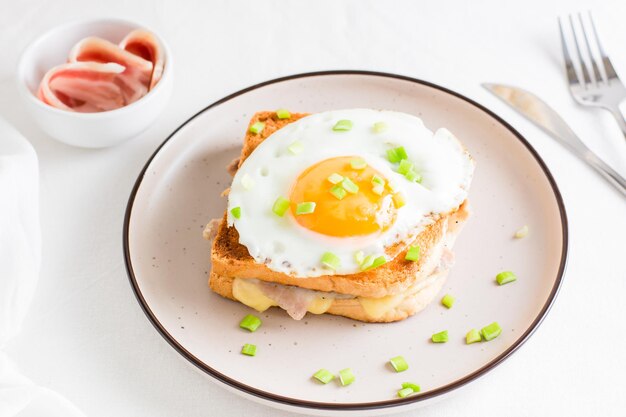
283 114
349 186
381 260
257 127
358 163
379 127
399 364
250 323
367 262
324 376
405 166
295 148
335 178
441 337
473 336
413 176
330 260
346 376
378 189
413 254
359 257
396 155
305 208
376 180
281 205
248 349
236 212
491 331
338 191
342 126
505 277
447 301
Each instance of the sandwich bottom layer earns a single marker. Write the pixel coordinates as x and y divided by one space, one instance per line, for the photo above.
298 301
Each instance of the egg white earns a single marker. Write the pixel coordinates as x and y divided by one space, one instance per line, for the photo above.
285 246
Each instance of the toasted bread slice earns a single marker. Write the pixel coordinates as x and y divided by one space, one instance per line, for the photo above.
231 260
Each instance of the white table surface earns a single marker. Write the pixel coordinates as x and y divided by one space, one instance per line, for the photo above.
87 337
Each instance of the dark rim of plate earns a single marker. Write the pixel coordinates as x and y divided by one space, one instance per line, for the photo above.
268 396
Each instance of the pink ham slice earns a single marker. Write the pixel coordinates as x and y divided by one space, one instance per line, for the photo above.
134 81
83 87
142 43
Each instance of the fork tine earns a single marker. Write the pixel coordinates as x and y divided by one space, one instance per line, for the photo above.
597 78
581 61
572 78
608 67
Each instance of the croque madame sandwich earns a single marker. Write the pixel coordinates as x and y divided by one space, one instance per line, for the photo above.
346 212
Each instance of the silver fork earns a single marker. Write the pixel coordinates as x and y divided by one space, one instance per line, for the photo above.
594 89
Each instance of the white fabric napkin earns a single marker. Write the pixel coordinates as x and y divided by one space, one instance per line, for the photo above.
20 256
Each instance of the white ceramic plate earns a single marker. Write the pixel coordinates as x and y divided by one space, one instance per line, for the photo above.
167 259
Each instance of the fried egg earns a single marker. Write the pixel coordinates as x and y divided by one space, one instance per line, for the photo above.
345 185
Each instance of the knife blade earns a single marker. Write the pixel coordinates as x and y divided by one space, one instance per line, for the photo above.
542 115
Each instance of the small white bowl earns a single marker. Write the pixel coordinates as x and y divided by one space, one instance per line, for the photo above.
88 130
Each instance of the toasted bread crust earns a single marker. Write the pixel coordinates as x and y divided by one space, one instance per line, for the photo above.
231 259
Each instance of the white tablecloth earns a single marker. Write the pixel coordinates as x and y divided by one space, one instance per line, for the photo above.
85 335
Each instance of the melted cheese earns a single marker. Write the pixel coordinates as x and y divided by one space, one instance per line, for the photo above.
377 307
248 292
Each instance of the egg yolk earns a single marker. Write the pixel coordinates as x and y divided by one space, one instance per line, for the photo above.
362 213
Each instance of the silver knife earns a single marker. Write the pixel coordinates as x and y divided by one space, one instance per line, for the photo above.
542 115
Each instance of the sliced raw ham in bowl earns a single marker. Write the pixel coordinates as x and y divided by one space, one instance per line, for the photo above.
96 83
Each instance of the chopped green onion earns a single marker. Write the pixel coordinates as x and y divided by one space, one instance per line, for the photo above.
399 364
330 260
335 178
367 262
414 387
379 127
247 182
358 163
283 114
522 232
413 176
349 186
305 208
250 322
441 337
324 376
405 167
491 331
378 189
473 336
280 206
295 148
346 376
248 349
381 260
359 257
405 392
396 154
257 127
236 212
447 300
376 180
413 254
505 277
342 126
392 156
398 199
338 192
